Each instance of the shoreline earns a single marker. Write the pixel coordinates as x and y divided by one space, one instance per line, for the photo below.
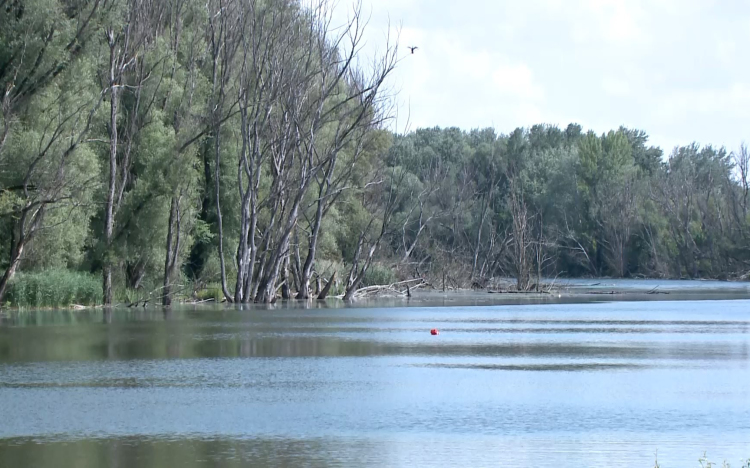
604 291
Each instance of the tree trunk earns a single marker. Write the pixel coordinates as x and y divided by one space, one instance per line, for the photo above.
285 293
520 215
109 209
306 272
267 284
134 273
323 191
20 237
296 264
199 251
15 260
243 253
356 277
171 254
327 287
217 193
485 205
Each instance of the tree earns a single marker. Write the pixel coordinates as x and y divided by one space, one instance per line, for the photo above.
52 173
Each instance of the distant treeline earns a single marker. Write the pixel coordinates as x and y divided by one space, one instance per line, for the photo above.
171 145
547 201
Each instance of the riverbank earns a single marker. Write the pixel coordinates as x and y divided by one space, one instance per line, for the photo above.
562 291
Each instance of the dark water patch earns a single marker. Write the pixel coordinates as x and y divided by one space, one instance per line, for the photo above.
539 367
228 346
162 452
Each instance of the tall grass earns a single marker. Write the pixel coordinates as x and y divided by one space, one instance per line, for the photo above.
54 288
379 274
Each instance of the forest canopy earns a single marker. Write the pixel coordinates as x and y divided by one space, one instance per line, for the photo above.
169 146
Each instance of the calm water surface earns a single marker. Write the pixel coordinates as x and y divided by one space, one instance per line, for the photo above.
534 385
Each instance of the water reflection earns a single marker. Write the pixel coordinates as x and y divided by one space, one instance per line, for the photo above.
457 450
569 385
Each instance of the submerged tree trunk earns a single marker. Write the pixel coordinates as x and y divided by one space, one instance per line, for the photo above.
485 206
357 274
15 260
304 292
22 234
173 250
323 201
109 208
219 221
285 292
520 254
327 287
267 283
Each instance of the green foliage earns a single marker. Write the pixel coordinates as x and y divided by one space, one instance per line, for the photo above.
379 274
54 288
211 291
439 202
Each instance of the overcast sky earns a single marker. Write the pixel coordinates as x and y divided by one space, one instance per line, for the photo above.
678 69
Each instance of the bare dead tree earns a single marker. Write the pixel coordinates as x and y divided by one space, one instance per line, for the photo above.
372 233
327 90
422 221
267 45
521 239
224 39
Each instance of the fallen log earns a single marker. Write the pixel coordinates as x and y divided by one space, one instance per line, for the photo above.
391 288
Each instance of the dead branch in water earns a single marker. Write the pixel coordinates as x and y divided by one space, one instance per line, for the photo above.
391 289
515 291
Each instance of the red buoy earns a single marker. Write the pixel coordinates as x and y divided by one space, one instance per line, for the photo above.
434 331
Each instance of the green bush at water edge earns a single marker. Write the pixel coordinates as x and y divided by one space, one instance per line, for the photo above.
379 274
54 288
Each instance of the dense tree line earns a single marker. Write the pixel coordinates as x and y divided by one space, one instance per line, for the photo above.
546 201
171 144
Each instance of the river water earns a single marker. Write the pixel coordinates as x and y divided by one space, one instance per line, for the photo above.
543 384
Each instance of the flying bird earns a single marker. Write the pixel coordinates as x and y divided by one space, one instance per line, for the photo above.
412 48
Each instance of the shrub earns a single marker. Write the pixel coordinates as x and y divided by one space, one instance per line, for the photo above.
211 291
54 288
379 274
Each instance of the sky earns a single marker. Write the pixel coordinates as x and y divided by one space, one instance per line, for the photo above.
677 69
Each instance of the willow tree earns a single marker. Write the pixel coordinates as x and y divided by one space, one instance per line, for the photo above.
53 170
47 109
